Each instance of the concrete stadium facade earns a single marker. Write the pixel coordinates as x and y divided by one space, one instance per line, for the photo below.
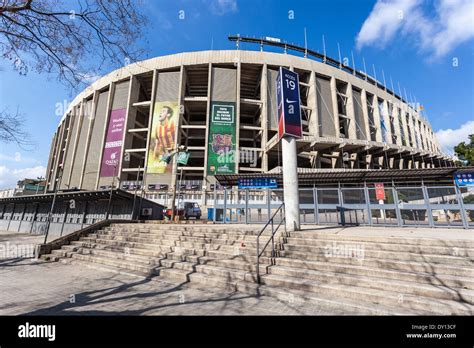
348 122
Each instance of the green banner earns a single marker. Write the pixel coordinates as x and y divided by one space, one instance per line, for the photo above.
222 139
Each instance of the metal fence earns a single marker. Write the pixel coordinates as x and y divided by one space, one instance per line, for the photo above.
417 206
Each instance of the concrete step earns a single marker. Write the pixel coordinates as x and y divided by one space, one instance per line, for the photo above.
360 255
383 239
373 282
372 245
238 263
184 229
112 269
167 240
143 243
410 271
370 296
216 271
144 269
214 238
331 306
132 258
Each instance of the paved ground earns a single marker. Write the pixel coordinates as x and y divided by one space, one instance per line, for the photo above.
33 287
37 288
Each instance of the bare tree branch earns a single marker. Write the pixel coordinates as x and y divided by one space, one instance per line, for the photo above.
71 43
11 129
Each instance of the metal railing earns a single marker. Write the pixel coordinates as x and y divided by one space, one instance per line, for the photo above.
271 239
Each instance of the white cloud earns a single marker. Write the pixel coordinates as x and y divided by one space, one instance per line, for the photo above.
222 7
451 26
9 177
449 138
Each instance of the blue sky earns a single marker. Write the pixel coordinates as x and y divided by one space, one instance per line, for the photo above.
426 46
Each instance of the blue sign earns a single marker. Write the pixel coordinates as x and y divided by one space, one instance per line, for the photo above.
257 183
464 179
288 101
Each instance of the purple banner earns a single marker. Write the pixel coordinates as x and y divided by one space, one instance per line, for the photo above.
113 144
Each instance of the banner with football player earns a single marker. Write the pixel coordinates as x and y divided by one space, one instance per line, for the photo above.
163 133
221 154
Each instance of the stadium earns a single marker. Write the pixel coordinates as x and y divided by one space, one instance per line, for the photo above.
120 127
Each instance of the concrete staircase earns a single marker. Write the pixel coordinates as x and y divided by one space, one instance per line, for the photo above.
340 274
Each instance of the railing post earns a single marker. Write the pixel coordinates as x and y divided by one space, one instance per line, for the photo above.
258 259
461 206
427 203
397 206
225 205
269 202
273 241
246 206
367 200
215 204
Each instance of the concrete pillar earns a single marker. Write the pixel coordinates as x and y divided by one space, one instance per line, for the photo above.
365 113
264 115
313 104
334 105
386 120
290 184
378 135
350 112
396 123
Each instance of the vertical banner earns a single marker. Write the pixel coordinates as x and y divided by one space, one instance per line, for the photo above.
113 143
288 101
163 132
222 139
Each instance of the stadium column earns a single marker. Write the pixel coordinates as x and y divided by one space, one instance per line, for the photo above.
314 120
396 118
334 106
79 120
377 123
264 124
365 115
208 108
92 111
177 137
59 147
237 116
350 112
49 168
110 98
133 83
150 119
312 104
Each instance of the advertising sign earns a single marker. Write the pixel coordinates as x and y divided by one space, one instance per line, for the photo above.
113 144
379 191
222 139
464 179
163 132
288 101
257 183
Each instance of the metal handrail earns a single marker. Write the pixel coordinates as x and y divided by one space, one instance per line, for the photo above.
271 239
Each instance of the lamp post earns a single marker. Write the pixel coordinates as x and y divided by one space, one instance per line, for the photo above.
50 215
